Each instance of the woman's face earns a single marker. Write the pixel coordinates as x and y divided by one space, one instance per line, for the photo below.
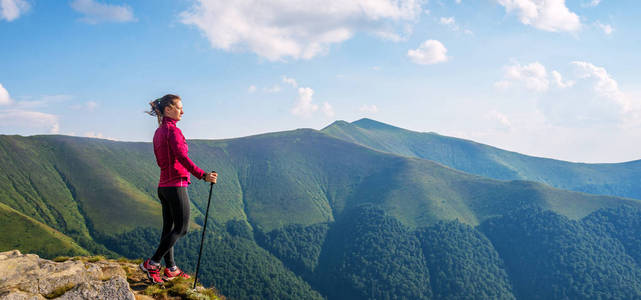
174 111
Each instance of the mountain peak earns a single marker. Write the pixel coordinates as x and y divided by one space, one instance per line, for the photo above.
367 123
337 123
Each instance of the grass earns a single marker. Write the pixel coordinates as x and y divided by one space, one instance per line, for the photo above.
31 236
96 258
61 258
181 287
131 261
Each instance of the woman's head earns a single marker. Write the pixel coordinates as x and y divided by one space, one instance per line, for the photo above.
166 106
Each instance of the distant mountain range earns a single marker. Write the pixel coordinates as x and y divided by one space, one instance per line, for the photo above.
292 208
617 179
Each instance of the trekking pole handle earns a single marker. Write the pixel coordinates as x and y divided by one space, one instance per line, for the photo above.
208 174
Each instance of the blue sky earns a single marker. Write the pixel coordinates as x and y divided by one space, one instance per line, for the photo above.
549 78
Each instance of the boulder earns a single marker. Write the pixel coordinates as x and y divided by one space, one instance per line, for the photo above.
114 288
27 276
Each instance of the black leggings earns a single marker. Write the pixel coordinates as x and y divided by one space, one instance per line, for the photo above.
175 221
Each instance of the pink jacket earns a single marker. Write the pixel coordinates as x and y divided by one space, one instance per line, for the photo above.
172 157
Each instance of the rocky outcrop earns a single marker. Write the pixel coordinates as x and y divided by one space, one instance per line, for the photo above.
27 276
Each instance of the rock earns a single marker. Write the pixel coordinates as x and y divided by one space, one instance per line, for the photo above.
69 273
110 269
18 271
20 295
114 288
27 276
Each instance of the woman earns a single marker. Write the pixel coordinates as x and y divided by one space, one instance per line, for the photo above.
171 155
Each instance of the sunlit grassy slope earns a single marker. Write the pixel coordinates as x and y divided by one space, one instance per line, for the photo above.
618 179
24 233
76 184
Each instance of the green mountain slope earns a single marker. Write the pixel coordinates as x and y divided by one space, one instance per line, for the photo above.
24 233
620 179
271 180
290 208
307 177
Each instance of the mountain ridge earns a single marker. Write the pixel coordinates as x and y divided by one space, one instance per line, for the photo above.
278 155
619 179
368 123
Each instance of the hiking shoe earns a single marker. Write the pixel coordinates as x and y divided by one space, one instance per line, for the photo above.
153 272
170 275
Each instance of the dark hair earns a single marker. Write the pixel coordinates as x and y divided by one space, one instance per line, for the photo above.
158 105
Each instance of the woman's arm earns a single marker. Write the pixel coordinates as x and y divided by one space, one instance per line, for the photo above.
178 146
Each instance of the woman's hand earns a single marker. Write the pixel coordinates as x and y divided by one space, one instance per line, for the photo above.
211 177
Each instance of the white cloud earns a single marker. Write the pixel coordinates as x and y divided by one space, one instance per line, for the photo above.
288 28
392 36
502 84
502 120
533 76
591 98
451 23
304 106
592 3
95 135
274 89
447 21
376 68
328 110
388 33
88 106
429 52
605 86
368 109
558 80
458 1
607 28
548 15
91 105
290 81
95 12
5 99
593 101
28 103
27 122
20 119
91 134
42 101
12 9
251 89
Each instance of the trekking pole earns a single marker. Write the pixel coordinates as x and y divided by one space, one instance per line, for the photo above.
202 239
